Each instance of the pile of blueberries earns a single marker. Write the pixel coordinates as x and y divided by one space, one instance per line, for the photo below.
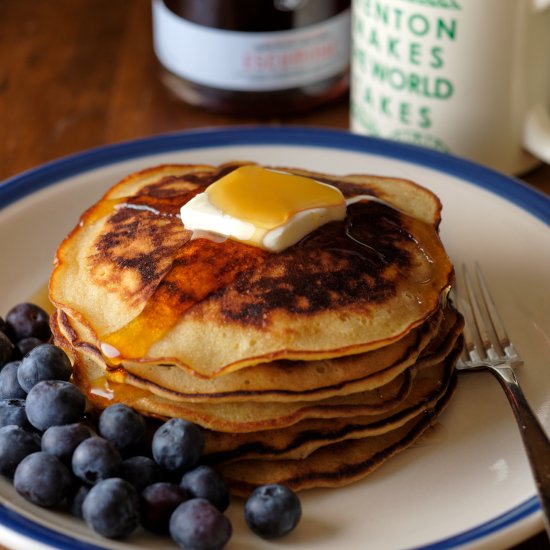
112 470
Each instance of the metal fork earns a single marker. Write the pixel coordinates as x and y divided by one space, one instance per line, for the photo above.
488 347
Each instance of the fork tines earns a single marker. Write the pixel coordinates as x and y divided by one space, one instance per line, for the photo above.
486 340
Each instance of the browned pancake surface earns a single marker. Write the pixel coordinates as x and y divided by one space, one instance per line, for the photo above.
131 274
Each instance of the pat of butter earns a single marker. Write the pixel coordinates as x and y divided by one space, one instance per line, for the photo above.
264 208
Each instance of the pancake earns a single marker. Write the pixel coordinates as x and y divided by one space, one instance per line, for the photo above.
288 381
300 440
249 416
246 416
277 380
128 274
335 465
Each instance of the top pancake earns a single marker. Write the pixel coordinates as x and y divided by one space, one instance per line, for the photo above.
130 273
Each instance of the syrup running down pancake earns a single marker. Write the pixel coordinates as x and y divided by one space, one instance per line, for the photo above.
346 331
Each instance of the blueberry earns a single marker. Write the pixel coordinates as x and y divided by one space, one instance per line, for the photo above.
76 499
42 479
15 444
196 524
6 349
95 459
45 362
9 385
24 346
111 508
12 411
122 426
177 445
61 441
158 501
140 471
25 320
2 325
205 482
272 511
53 403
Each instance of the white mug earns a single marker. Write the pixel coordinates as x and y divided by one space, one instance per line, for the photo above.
468 77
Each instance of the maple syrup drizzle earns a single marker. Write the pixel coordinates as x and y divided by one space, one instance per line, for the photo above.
167 207
200 268
110 391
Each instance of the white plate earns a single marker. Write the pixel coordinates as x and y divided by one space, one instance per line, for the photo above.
468 482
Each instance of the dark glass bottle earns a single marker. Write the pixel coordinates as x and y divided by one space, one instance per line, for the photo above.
254 57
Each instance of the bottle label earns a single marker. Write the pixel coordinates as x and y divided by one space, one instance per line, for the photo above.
251 61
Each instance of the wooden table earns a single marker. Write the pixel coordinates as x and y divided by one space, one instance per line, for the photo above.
76 74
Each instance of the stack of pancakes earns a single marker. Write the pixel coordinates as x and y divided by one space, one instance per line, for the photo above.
307 367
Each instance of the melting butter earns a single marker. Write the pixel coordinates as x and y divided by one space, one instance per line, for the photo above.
265 208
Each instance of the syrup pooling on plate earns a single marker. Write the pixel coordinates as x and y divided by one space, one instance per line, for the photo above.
193 269
40 298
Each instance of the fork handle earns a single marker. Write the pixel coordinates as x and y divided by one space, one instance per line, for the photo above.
534 437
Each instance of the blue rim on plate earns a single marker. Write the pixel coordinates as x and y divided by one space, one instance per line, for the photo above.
28 182
531 200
